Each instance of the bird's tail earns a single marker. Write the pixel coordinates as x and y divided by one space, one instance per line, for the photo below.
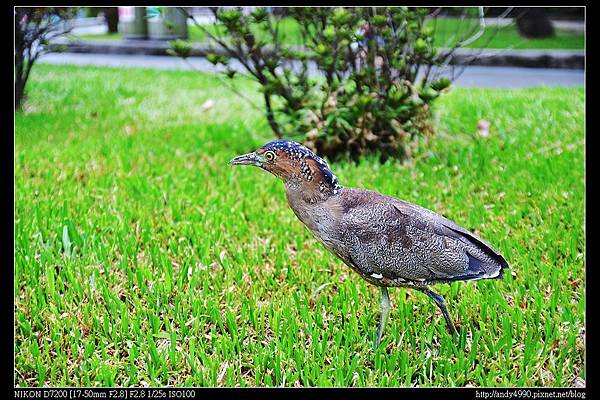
480 269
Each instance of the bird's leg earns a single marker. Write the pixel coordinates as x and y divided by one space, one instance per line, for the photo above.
442 305
385 310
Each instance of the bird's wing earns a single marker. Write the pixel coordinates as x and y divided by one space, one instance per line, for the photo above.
447 228
441 221
395 239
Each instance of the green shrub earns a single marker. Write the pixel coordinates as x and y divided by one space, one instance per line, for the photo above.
368 96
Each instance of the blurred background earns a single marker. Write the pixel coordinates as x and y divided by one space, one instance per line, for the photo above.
549 39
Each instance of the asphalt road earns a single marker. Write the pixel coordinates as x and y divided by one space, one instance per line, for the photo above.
472 76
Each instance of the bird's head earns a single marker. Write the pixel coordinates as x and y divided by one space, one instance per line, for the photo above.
295 164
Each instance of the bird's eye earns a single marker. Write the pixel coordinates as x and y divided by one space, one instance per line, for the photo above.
269 156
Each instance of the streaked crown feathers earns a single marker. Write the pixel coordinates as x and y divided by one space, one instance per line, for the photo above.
299 152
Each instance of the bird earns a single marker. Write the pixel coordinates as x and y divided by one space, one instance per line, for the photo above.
389 242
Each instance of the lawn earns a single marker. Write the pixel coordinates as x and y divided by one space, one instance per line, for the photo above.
447 32
143 258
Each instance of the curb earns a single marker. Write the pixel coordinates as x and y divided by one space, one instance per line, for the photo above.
562 59
559 59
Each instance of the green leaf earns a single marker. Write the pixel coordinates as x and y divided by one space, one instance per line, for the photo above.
66 241
230 18
441 84
230 73
212 58
428 94
217 59
259 15
180 48
341 16
322 49
329 33
379 20
420 45
427 30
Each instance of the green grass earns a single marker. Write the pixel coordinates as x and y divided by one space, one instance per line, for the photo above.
143 258
448 31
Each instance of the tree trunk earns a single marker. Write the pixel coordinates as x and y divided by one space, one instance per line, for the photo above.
271 117
111 14
19 94
535 23
19 83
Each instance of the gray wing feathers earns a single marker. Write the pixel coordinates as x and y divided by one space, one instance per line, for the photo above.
482 259
450 225
400 240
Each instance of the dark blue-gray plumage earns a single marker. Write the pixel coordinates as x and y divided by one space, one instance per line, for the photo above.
388 241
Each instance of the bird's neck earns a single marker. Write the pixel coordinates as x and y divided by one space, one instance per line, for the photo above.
309 192
320 212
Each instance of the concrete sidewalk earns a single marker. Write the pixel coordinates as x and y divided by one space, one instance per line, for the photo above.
473 76
567 59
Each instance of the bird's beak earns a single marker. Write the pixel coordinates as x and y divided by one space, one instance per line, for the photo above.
247 159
